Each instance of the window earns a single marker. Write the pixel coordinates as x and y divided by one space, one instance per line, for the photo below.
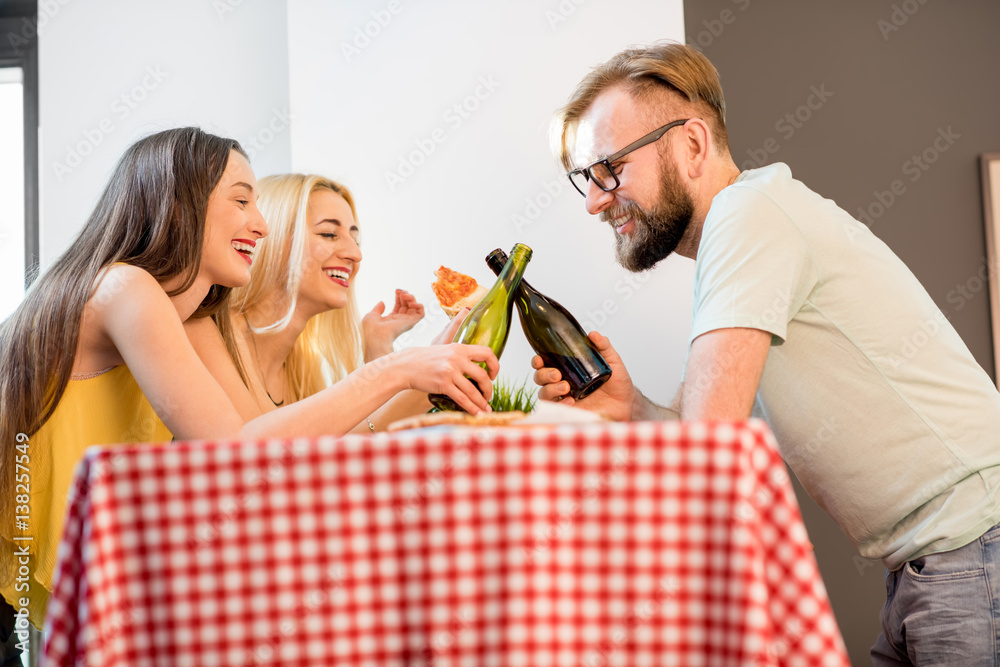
12 221
19 152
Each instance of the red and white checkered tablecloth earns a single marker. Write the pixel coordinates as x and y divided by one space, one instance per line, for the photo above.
620 544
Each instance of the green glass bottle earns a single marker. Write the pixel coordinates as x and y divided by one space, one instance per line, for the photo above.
556 336
489 322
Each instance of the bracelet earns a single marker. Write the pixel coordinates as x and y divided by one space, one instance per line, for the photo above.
371 426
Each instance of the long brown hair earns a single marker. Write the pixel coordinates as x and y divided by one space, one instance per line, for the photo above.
151 215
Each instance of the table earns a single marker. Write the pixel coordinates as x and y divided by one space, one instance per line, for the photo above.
607 544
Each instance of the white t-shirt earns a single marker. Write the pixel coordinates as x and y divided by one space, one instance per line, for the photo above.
877 405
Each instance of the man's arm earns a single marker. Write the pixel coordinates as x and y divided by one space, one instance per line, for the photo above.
723 370
644 409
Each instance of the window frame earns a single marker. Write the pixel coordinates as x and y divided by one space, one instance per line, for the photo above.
15 19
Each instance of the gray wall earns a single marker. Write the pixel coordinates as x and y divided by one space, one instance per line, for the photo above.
887 82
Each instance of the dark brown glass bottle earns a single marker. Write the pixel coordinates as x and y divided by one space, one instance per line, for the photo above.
556 336
489 322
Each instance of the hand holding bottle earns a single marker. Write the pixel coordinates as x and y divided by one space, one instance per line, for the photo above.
614 399
556 336
452 370
489 322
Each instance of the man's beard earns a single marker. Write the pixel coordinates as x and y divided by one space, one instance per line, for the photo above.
658 233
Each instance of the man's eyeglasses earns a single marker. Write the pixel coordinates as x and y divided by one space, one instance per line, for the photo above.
602 173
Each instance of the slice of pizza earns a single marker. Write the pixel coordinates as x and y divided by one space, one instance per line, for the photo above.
455 291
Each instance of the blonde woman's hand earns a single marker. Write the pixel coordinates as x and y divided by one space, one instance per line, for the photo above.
379 331
452 370
448 333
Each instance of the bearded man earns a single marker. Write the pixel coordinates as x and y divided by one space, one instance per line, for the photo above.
803 317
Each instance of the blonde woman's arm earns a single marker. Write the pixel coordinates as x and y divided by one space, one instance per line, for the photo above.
142 323
410 403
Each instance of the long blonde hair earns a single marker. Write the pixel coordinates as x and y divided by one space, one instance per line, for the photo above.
330 347
151 215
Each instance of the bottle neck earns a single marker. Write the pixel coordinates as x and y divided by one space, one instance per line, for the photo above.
497 260
513 268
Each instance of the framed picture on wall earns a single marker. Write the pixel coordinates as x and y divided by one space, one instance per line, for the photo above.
991 212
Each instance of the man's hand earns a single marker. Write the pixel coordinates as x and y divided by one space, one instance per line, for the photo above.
379 331
615 397
723 371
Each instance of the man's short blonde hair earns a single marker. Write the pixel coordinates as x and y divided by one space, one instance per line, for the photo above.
645 72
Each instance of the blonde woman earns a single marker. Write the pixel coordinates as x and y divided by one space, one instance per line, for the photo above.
296 323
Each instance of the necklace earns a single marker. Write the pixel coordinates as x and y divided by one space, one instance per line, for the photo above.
260 366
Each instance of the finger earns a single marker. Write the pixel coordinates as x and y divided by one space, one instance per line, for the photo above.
468 396
553 392
378 309
447 335
602 342
475 373
536 362
485 354
546 376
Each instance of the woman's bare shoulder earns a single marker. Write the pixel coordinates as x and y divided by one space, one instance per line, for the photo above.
124 281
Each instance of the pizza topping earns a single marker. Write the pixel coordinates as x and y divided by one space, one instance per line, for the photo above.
455 290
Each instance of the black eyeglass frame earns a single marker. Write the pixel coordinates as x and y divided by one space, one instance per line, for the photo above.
638 143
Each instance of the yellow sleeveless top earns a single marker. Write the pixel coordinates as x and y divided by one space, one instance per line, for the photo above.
100 409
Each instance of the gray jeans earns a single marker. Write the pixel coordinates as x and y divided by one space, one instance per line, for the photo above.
944 609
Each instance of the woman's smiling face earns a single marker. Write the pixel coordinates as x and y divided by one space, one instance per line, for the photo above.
233 225
333 255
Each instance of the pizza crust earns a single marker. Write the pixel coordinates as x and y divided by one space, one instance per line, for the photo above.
457 418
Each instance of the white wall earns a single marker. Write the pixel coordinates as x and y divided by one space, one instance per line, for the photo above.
374 86
112 71
362 105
